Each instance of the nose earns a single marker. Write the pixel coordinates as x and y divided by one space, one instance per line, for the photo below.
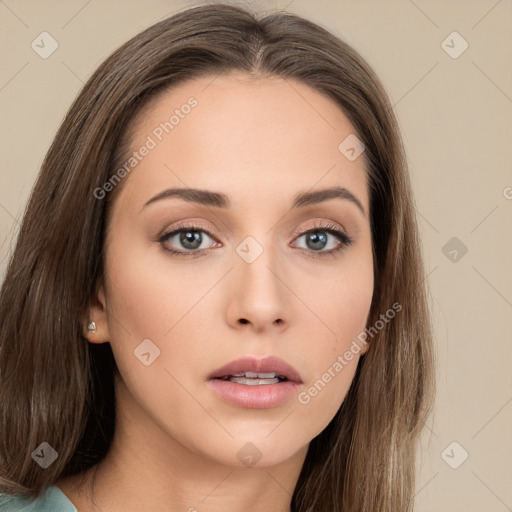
257 297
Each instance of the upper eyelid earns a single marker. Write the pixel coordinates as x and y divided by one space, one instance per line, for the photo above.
182 227
323 224
198 227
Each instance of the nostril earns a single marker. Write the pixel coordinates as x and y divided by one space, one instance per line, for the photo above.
243 321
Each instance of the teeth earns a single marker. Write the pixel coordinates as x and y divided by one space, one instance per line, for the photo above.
254 378
253 381
253 375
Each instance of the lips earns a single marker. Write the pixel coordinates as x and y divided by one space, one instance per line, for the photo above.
252 367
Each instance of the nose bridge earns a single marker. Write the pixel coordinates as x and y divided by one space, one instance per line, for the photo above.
258 295
256 258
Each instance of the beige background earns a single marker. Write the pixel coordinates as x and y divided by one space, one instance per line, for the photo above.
456 117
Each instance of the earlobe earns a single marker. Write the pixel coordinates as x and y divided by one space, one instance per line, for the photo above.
364 348
96 324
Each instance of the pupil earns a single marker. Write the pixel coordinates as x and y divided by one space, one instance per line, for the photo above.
191 237
317 241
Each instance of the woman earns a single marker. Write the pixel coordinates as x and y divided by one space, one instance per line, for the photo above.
217 296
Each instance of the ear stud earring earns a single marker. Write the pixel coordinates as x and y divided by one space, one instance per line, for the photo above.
91 326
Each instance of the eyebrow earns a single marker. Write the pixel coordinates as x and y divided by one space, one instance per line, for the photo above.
220 200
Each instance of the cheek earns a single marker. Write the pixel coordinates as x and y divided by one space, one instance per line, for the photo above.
140 290
338 298
136 301
334 361
342 305
149 308
150 298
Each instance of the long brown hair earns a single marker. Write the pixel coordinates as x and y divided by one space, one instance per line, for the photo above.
57 387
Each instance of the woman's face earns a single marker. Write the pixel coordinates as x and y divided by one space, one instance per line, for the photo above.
263 266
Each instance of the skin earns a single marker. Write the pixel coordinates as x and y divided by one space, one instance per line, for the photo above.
260 141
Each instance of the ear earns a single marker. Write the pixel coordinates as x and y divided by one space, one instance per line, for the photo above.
364 348
98 316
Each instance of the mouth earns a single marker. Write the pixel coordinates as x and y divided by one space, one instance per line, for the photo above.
250 371
256 383
255 379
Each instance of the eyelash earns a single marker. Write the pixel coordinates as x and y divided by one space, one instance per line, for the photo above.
345 240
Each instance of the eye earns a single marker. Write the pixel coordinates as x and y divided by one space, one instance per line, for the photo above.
323 236
190 240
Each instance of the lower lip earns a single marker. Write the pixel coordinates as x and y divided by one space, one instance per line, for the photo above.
263 396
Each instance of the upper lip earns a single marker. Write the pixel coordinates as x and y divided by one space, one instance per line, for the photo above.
267 364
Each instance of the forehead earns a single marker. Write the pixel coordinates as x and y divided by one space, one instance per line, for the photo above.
244 134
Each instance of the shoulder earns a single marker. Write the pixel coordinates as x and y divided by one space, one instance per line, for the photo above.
51 500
